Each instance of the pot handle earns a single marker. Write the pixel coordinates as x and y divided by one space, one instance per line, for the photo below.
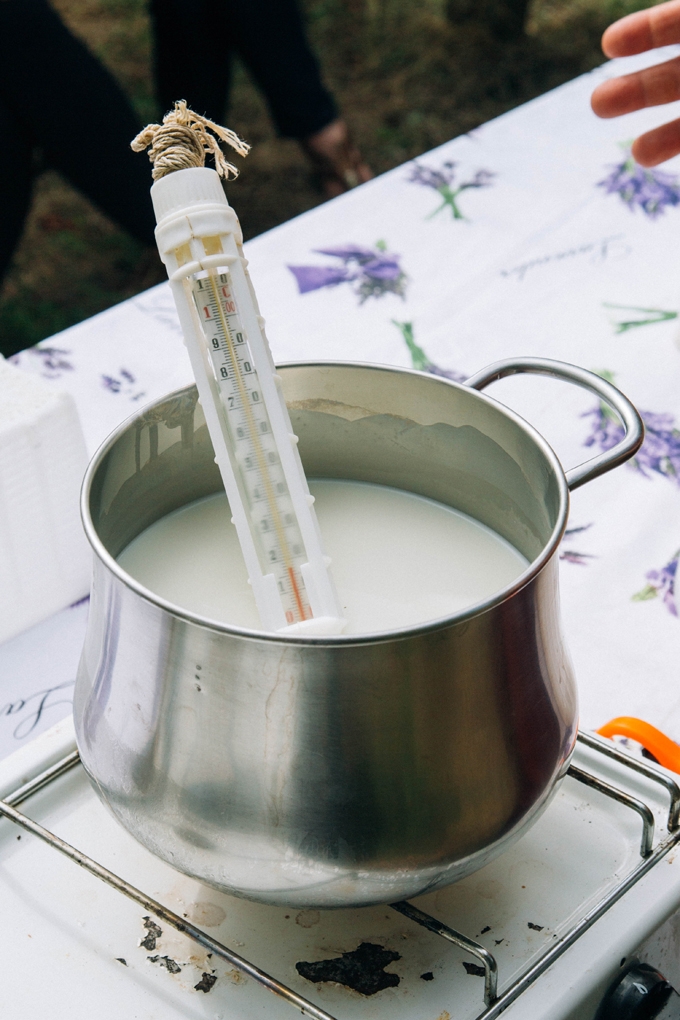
632 422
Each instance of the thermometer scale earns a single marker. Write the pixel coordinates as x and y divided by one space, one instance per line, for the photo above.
270 507
200 242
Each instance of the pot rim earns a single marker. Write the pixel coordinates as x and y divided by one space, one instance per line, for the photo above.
372 637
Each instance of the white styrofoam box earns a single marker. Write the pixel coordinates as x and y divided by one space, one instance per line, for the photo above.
45 560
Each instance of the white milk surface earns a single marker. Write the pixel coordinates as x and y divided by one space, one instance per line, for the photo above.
397 559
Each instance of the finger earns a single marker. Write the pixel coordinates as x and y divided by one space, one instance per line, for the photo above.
644 30
651 87
655 146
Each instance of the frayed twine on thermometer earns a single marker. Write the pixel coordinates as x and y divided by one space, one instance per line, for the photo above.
183 140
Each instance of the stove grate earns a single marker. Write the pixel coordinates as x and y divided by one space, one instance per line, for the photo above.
494 1003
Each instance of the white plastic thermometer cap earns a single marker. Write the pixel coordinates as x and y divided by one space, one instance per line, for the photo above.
178 191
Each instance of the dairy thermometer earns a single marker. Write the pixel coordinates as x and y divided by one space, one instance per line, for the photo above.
200 241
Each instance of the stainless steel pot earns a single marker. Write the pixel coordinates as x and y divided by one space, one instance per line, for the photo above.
350 770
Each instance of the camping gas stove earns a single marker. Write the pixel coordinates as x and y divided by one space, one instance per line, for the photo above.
581 915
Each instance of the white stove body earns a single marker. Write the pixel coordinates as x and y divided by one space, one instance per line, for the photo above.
71 948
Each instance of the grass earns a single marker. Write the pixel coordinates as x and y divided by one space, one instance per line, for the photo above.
405 77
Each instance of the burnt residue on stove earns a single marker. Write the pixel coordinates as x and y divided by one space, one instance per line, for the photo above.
206 982
153 934
362 969
535 927
121 959
427 976
474 968
166 961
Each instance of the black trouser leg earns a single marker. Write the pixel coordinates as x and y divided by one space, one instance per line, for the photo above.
16 184
193 40
269 35
77 113
192 55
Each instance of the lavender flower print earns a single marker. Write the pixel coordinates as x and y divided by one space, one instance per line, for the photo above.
661 583
442 180
372 272
570 555
649 189
123 383
660 452
419 358
52 360
644 317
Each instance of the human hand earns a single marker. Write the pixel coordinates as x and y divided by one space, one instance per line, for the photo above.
653 86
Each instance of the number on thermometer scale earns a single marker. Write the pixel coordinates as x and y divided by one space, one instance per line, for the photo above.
273 521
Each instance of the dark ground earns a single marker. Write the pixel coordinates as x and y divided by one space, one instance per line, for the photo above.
406 80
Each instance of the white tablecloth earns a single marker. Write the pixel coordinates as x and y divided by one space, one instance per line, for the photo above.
546 260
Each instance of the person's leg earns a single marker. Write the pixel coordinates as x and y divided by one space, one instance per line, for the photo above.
75 110
270 38
16 184
192 57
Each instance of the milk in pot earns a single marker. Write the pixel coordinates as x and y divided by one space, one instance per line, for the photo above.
398 559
